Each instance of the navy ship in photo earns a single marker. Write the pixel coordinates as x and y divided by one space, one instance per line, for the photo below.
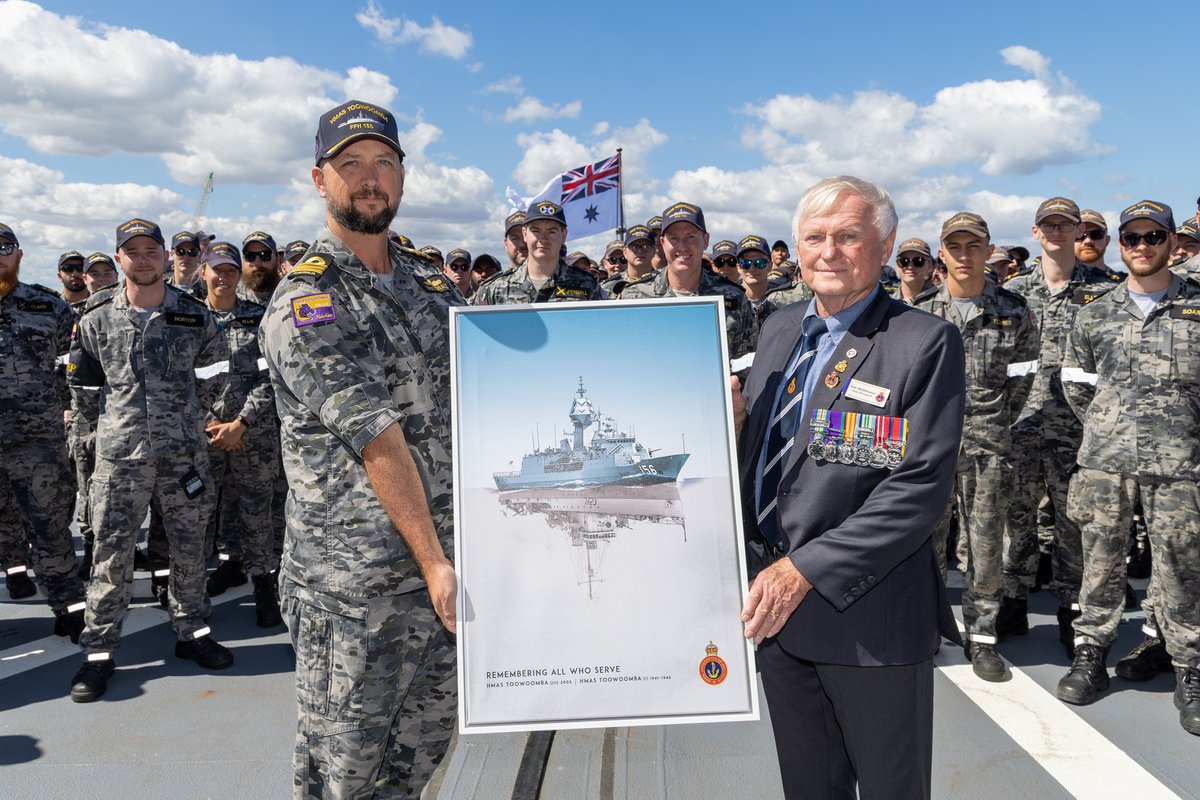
610 458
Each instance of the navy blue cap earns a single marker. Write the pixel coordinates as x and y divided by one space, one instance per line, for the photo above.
138 227
456 254
1189 230
752 242
98 258
352 121
223 253
70 255
265 239
684 212
724 247
638 233
296 248
655 223
513 220
7 233
402 240
780 243
544 209
1158 213
184 237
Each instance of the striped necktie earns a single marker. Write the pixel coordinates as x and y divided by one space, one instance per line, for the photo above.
781 431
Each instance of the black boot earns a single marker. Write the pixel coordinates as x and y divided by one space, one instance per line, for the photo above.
1187 698
1066 632
1087 676
91 681
85 564
985 661
159 585
229 573
19 585
1013 618
266 603
1145 661
206 652
69 623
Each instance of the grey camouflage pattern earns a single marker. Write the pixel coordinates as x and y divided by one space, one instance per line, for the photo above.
741 329
567 284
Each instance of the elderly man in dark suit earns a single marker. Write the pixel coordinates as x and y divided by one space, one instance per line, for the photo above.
849 430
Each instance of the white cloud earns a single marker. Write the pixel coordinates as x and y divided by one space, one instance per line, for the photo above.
437 38
510 85
530 109
548 154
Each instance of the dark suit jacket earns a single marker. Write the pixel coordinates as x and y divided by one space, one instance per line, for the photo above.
861 535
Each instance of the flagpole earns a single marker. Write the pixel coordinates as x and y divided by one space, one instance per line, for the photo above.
621 198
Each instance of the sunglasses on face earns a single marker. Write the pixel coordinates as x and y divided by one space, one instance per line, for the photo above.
617 260
1095 235
725 261
460 266
7 248
753 263
640 246
257 255
190 252
916 261
1152 238
71 268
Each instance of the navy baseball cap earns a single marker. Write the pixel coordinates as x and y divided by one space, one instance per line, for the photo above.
138 227
655 223
544 209
638 233
402 240
223 253
7 233
70 255
352 121
1189 230
184 237
752 242
296 248
1158 213
456 254
98 258
683 212
513 220
724 247
265 239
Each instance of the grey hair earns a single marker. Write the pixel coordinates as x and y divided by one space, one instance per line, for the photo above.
820 197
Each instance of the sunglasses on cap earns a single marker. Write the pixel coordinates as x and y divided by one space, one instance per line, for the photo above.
617 260
916 261
753 263
257 255
1152 238
190 252
725 261
69 267
1095 235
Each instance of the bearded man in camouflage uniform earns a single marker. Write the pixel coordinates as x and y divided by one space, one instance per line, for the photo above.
355 339
1132 374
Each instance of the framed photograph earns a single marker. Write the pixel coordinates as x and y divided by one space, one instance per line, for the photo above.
597 520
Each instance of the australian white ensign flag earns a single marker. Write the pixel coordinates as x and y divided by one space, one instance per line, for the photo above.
590 197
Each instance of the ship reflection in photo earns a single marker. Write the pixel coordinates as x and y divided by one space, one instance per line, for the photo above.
592 515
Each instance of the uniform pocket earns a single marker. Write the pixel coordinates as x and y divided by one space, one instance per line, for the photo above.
330 662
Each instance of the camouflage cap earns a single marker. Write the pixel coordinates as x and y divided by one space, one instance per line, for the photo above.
544 209
915 245
724 247
1158 213
1001 255
98 258
352 121
184 237
752 242
296 248
70 255
1091 217
966 222
638 233
138 227
7 233
683 212
458 254
1189 230
1057 207
265 239
513 220
223 253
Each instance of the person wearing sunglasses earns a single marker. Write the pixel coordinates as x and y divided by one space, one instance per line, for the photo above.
725 260
70 273
260 268
754 265
1131 372
914 265
35 473
639 252
1046 433
185 263
1091 240
458 270
1001 345
684 240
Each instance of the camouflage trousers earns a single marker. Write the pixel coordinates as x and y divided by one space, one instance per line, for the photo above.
1042 468
376 685
120 492
1102 504
243 524
37 490
82 449
982 488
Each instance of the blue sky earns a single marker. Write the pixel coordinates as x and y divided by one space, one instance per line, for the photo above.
530 362
111 110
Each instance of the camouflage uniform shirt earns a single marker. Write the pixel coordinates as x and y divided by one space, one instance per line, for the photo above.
1134 381
741 330
350 353
1001 345
35 329
246 391
513 286
148 373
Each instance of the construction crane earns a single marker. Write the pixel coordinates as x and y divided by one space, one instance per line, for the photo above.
202 204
